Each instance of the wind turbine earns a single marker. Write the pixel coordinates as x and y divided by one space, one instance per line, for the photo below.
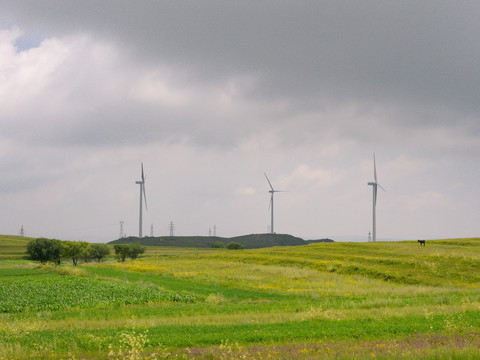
374 184
272 191
142 196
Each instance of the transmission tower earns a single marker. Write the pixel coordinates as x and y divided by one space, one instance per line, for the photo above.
121 229
209 232
22 232
171 227
369 236
214 230
151 231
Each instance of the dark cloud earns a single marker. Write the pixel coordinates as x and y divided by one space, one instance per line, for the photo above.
303 90
413 52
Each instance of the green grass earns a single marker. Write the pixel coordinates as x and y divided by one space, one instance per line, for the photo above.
340 300
64 292
13 247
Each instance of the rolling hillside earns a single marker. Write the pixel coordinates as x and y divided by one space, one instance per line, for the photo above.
13 247
253 241
385 300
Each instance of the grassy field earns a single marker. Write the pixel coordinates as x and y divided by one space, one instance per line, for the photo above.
13 247
390 300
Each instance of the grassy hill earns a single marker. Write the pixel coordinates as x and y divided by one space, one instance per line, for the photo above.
253 241
13 247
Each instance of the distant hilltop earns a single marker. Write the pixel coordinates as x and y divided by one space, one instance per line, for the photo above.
253 241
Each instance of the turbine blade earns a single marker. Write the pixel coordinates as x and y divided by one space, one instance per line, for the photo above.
381 187
374 168
143 177
269 183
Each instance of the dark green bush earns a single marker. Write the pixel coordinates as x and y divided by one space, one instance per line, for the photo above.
218 245
135 250
76 250
45 250
128 250
235 246
99 251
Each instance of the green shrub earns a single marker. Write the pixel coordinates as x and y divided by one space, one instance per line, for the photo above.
218 245
99 251
45 250
135 250
76 250
235 246
121 250
128 250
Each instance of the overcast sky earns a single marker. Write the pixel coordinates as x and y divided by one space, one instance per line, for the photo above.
210 95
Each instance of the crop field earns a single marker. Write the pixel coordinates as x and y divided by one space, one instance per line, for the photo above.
387 300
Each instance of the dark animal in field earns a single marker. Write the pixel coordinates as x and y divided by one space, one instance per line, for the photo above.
422 242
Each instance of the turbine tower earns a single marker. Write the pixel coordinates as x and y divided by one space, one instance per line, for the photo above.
142 196
374 184
272 191
122 234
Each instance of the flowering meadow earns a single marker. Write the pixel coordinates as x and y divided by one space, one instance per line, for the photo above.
323 301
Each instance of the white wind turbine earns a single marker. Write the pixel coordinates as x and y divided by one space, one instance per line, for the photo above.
272 191
142 196
375 184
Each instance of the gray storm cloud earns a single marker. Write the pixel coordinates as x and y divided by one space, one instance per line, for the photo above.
304 90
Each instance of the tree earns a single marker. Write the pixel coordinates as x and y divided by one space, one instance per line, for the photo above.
57 251
121 250
99 251
135 250
128 250
44 250
76 250
235 246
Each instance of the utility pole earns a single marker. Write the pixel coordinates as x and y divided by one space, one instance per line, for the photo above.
171 227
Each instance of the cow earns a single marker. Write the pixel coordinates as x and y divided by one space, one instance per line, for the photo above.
422 242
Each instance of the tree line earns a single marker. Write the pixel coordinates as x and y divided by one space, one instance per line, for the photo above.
53 250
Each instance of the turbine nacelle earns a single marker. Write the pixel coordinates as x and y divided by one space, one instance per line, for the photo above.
274 191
